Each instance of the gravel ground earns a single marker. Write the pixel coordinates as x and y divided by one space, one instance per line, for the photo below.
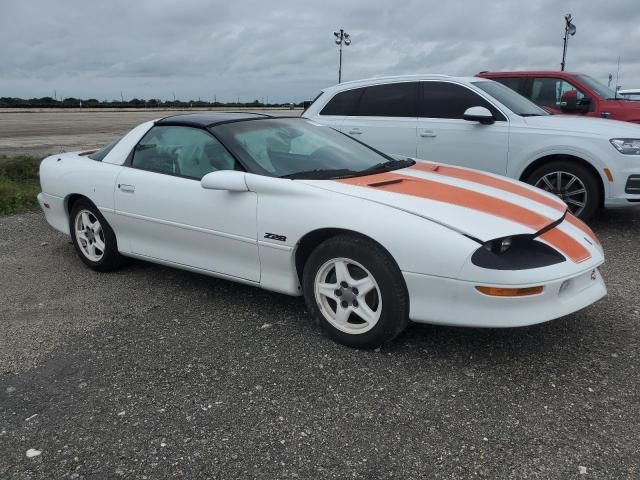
44 132
151 372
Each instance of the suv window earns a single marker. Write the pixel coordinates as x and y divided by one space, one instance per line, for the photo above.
449 100
549 91
181 151
390 100
343 103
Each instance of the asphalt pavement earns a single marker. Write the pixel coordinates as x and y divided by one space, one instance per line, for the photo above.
151 372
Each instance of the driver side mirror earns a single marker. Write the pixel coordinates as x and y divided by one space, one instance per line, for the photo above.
569 102
229 180
479 114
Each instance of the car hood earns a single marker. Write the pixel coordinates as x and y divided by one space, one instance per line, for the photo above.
589 125
474 203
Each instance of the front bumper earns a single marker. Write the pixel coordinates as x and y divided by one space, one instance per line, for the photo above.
623 192
455 302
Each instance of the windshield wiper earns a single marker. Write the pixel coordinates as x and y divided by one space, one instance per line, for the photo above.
321 173
531 115
387 166
332 173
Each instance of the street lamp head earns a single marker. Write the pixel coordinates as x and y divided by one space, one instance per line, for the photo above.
571 28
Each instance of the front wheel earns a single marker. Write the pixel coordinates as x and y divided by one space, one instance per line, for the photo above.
355 290
572 183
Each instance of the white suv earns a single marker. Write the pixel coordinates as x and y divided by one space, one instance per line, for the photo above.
479 123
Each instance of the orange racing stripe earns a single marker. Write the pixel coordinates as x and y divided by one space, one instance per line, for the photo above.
489 181
576 222
566 244
462 197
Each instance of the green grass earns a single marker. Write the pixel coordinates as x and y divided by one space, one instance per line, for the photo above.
19 184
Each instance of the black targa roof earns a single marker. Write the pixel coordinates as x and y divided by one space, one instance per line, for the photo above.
208 119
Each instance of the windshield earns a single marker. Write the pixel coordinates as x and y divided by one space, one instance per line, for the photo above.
300 148
510 99
601 89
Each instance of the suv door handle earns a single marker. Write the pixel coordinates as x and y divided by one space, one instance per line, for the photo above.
428 134
127 188
355 131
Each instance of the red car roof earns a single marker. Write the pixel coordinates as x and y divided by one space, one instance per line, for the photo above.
527 73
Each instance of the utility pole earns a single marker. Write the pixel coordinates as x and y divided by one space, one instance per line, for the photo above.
569 29
342 37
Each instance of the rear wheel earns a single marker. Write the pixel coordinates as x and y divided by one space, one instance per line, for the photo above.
572 183
93 237
355 290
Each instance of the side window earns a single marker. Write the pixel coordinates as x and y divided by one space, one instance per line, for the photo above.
549 91
390 100
514 83
182 151
343 103
449 100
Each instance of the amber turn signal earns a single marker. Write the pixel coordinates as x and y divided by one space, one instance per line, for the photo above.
510 292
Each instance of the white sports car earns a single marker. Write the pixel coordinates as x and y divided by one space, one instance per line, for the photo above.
299 208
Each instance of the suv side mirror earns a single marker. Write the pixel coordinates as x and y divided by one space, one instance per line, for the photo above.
479 114
229 180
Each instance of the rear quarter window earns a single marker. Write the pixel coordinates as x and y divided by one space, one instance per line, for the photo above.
344 103
103 152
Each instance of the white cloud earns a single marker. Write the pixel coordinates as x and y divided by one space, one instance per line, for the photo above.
284 49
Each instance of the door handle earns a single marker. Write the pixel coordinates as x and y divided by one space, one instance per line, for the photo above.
428 134
127 188
355 131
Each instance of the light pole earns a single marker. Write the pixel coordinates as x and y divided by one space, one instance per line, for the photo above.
569 29
342 37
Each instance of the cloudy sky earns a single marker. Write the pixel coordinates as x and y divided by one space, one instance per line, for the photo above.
284 50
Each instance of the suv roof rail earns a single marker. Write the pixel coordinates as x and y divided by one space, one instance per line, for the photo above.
391 77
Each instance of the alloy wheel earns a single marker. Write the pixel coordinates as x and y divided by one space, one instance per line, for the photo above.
568 187
89 235
348 295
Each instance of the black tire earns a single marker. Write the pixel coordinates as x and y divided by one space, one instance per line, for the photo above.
394 301
591 184
110 258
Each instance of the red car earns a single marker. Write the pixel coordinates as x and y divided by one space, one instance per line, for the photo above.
569 93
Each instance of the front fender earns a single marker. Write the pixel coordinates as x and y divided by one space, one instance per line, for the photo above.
592 157
289 210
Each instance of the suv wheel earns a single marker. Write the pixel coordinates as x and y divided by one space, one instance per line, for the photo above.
572 183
